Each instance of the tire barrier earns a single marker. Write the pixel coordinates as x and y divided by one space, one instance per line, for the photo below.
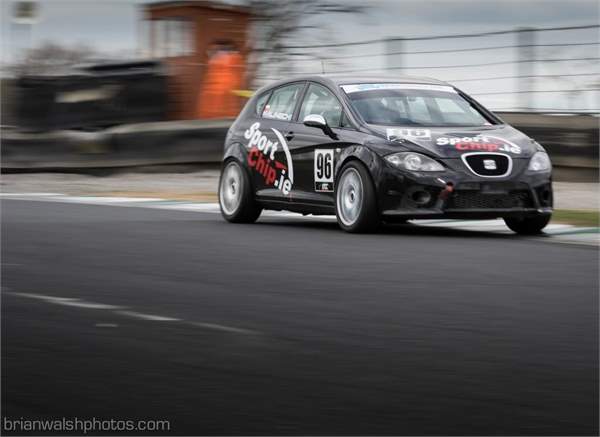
95 97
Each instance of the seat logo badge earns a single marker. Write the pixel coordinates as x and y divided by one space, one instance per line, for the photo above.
489 164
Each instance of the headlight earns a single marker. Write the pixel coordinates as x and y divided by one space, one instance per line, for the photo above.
540 162
413 161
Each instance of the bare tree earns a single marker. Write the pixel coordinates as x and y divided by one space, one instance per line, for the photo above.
565 76
277 23
51 58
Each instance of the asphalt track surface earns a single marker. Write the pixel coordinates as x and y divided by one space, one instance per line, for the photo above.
293 327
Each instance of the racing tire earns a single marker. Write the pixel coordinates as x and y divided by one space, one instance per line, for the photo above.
236 199
355 199
528 225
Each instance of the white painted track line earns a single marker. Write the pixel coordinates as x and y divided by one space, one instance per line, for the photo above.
150 317
560 233
124 311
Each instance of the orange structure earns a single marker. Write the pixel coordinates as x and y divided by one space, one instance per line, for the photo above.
204 46
224 73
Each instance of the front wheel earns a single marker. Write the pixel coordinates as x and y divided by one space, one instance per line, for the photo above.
528 225
355 199
236 198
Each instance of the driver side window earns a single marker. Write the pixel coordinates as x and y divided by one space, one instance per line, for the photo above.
319 100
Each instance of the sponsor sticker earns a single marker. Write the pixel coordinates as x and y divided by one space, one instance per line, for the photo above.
323 169
261 158
354 88
394 134
484 143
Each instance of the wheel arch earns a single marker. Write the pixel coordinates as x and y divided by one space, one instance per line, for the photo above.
365 156
237 152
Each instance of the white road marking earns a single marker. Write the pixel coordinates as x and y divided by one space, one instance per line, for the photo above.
188 206
587 236
123 311
104 200
29 194
585 239
499 223
151 317
223 328
66 301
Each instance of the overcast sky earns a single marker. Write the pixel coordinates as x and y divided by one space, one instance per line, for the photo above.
110 26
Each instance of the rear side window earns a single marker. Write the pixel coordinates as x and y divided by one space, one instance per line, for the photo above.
282 102
261 102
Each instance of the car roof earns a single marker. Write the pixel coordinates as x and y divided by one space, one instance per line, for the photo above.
342 79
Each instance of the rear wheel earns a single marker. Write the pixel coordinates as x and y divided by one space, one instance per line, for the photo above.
355 199
528 225
236 198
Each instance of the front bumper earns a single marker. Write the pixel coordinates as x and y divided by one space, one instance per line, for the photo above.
458 194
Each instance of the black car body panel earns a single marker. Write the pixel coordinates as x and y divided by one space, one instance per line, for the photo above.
294 166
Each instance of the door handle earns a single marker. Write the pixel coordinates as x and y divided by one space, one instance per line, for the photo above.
289 136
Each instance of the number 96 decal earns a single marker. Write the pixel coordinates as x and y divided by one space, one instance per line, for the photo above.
324 170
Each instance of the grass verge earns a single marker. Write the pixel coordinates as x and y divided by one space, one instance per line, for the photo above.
576 217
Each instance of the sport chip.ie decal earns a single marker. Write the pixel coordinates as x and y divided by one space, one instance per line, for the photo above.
261 157
324 170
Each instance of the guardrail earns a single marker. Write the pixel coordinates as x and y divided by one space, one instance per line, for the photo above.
571 140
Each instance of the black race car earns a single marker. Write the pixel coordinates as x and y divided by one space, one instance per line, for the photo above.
381 149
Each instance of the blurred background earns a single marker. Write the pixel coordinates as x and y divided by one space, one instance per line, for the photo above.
81 79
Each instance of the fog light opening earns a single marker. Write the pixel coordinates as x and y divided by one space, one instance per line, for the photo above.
421 197
546 196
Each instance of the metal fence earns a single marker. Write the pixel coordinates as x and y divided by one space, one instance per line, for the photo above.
553 69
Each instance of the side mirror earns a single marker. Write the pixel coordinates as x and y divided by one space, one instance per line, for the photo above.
318 121
315 120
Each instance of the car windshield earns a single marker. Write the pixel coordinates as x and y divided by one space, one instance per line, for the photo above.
413 105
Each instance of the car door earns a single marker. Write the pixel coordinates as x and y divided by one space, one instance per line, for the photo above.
267 137
314 152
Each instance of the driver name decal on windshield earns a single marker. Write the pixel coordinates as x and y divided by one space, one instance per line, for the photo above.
487 143
261 157
395 86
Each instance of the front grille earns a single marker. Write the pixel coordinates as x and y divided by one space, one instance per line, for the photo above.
477 200
488 164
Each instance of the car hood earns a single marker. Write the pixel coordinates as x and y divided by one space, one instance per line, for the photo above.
452 142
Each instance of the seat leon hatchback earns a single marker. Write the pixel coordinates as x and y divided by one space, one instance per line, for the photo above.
372 150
